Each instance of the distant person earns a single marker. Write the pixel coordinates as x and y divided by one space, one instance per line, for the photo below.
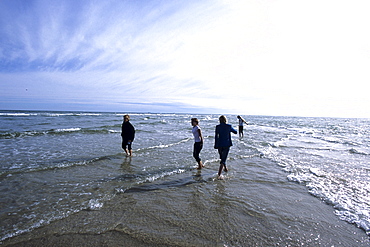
223 142
198 141
128 135
241 122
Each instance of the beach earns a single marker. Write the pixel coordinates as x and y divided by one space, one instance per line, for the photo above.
159 198
196 209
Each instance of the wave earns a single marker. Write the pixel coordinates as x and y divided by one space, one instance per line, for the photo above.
67 130
48 114
68 114
165 145
350 203
58 164
66 163
354 151
147 178
39 223
18 114
20 134
346 194
165 185
137 183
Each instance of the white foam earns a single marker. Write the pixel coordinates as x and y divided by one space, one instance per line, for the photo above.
95 204
18 114
68 130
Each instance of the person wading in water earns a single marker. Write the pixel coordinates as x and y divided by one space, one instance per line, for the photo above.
223 142
128 135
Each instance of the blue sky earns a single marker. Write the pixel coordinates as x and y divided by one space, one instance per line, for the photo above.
268 57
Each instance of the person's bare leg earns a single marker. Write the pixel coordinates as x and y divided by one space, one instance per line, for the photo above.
220 169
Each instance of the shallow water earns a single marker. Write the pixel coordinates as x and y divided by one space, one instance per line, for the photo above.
58 166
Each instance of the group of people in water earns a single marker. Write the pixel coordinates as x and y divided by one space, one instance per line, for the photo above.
222 139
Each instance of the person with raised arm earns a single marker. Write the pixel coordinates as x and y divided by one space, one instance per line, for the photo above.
241 122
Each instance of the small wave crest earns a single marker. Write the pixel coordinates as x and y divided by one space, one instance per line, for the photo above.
17 114
62 131
350 203
94 204
48 114
147 184
354 151
165 145
148 177
361 220
67 130
59 164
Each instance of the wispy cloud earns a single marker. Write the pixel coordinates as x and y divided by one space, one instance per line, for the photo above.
254 57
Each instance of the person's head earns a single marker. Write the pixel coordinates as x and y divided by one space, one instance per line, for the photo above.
223 119
238 117
194 121
126 118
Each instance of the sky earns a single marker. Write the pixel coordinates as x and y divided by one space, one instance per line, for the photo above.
248 57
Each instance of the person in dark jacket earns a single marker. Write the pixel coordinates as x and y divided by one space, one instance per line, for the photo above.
128 135
223 142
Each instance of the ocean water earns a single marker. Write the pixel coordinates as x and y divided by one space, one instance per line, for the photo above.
55 165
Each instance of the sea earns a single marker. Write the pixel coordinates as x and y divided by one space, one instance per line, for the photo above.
292 181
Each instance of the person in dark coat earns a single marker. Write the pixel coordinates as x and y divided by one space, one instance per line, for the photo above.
128 135
223 142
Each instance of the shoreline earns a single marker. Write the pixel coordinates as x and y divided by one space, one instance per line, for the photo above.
195 209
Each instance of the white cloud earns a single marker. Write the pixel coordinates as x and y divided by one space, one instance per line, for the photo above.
254 57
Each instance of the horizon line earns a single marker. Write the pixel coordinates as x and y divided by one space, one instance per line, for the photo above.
182 113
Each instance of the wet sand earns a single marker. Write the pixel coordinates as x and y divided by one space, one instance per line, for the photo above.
254 206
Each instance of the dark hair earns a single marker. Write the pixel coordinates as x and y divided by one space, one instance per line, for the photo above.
195 120
222 119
